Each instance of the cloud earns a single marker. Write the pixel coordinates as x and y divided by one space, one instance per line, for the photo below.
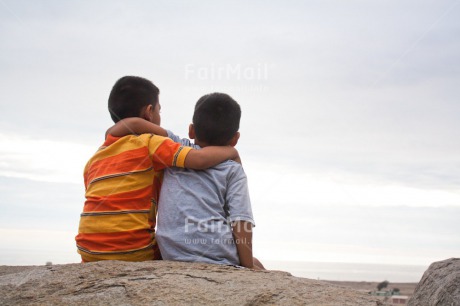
42 159
358 112
302 186
31 204
337 233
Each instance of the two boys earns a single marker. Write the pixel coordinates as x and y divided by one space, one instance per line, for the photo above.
123 181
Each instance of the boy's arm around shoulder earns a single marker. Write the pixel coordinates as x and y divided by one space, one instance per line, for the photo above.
206 157
209 157
195 159
135 126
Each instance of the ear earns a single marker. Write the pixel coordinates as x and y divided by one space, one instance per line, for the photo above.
234 139
147 113
191 131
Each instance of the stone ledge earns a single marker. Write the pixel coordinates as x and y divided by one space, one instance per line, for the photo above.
166 283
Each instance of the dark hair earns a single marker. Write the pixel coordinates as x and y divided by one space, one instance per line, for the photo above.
216 119
130 95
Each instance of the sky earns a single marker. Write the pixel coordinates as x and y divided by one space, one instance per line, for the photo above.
349 132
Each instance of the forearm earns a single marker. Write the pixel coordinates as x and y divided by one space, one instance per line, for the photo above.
129 126
242 232
209 157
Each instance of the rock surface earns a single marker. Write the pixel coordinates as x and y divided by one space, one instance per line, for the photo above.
165 283
440 285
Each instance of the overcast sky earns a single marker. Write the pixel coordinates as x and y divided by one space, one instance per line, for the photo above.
350 127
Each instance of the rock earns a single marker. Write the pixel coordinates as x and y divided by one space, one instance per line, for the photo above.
440 285
165 283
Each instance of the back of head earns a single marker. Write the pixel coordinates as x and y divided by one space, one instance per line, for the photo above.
130 95
216 119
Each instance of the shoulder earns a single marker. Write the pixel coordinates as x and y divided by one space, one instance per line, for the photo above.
128 141
157 144
233 170
156 139
230 165
140 139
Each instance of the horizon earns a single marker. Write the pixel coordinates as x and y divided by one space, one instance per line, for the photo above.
349 117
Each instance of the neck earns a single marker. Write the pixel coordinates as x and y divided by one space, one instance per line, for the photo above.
201 143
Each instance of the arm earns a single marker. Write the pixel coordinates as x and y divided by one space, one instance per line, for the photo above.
135 125
242 232
209 157
240 214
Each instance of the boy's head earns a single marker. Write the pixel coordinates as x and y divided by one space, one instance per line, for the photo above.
216 120
133 96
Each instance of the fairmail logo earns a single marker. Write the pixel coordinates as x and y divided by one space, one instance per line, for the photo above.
239 72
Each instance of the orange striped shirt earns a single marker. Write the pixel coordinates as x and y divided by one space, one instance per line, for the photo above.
122 183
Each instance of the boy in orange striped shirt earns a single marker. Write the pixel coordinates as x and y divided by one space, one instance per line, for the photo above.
123 179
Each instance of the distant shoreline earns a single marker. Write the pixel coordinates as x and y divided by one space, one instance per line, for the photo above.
351 272
406 289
